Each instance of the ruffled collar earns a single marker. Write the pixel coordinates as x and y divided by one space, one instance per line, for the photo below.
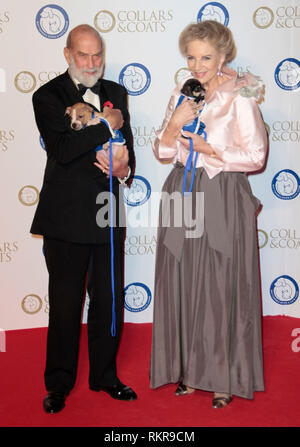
245 84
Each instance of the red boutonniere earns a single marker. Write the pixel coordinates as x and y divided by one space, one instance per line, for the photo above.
108 104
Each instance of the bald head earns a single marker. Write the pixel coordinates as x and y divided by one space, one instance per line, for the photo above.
80 31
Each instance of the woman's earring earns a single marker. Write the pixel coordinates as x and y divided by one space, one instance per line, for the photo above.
219 73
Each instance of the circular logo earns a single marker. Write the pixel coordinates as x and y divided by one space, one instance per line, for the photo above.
137 297
138 193
31 304
135 78
286 184
287 74
262 238
284 290
29 195
25 82
213 11
263 17
181 74
52 21
104 21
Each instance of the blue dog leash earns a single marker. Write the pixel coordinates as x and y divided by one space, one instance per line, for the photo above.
118 138
113 324
196 127
189 161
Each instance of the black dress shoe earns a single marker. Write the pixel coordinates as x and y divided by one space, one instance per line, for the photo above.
54 402
119 391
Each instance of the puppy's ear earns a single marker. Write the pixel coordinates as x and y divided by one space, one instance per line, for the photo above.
68 110
87 108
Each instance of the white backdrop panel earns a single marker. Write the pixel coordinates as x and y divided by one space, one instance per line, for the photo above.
143 35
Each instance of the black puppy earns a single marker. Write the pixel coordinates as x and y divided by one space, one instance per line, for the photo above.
193 89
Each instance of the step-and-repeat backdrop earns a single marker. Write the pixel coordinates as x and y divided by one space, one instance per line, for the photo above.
142 54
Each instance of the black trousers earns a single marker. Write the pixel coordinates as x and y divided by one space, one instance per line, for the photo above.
73 268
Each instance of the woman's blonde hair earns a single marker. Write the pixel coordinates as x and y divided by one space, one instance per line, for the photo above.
216 34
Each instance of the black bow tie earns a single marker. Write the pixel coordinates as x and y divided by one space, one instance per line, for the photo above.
96 88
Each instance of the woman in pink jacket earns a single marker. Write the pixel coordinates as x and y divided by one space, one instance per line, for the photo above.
207 304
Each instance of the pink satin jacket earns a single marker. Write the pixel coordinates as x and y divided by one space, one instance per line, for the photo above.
234 126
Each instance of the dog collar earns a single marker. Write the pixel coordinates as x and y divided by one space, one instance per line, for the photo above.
93 116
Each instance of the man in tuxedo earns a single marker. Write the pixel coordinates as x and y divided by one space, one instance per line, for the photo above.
77 246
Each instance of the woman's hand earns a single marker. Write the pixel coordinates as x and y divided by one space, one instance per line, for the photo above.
186 112
199 144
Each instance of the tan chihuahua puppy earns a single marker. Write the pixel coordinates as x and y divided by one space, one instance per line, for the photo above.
83 115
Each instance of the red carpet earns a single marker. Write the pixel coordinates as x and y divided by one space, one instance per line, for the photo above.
22 388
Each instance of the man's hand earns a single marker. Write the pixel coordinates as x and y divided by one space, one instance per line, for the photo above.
114 117
119 165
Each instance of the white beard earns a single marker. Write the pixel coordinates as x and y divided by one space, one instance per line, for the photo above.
79 73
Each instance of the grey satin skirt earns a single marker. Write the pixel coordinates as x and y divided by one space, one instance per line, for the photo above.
207 300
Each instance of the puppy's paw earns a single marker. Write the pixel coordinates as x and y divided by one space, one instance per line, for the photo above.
117 150
93 121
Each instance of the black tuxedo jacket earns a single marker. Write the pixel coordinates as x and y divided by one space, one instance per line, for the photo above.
67 205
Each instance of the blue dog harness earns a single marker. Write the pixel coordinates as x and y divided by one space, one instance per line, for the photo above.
117 139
